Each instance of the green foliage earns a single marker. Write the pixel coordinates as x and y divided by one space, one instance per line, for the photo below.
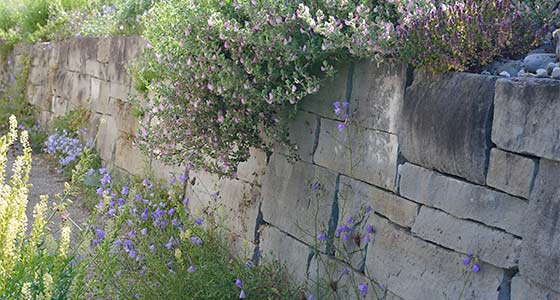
73 121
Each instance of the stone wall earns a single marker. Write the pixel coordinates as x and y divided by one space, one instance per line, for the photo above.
452 165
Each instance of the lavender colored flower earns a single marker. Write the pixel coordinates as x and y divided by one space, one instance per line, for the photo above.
198 221
349 221
128 246
186 201
363 289
100 191
183 178
144 231
341 126
90 172
466 261
345 271
196 241
369 229
124 190
106 179
145 182
315 186
171 211
169 244
475 268
214 195
191 269
144 216
102 171
249 265
152 248
242 295
310 297
239 283
322 237
100 234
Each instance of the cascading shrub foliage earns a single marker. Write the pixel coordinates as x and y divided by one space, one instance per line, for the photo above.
222 73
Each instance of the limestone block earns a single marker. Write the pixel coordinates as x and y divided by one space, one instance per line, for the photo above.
377 95
116 70
523 289
357 194
119 91
302 131
128 157
289 201
446 124
360 153
540 256
511 173
526 117
100 96
490 245
104 50
74 58
462 199
417 270
254 168
95 69
277 246
107 135
59 106
332 90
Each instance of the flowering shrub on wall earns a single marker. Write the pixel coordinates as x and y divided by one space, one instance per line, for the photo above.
222 74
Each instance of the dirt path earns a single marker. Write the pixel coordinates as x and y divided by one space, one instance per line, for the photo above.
45 181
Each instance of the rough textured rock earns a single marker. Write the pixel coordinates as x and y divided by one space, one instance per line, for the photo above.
357 194
536 61
377 95
462 199
290 203
254 168
540 257
523 289
405 264
358 152
511 173
447 105
303 134
526 117
332 90
490 245
277 246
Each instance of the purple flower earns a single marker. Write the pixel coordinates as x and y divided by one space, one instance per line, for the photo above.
117 243
249 265
144 215
196 241
199 221
239 283
310 297
100 191
345 271
242 294
349 221
102 171
145 182
341 126
475 268
466 261
191 269
369 229
186 201
131 234
341 229
128 245
183 178
369 209
124 190
169 244
152 248
100 234
322 237
144 231
315 186
214 195
171 211
363 289
106 179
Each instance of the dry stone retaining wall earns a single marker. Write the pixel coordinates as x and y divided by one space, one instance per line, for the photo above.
452 165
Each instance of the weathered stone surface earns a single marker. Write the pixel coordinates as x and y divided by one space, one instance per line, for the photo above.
235 208
462 199
303 134
290 203
104 50
446 123
358 152
119 91
355 194
417 270
377 95
95 69
540 257
254 168
332 90
490 245
277 246
526 117
107 135
511 173
128 157
523 289
59 106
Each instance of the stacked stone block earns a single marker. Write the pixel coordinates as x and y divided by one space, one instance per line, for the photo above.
452 166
